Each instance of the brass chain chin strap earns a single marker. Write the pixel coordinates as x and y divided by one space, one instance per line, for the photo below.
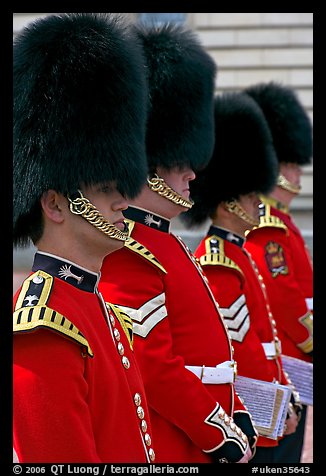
234 207
83 207
158 185
284 183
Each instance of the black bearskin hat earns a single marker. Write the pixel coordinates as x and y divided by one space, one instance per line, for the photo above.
79 114
243 160
181 77
288 121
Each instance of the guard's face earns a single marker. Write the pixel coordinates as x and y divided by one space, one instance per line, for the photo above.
178 179
109 203
250 203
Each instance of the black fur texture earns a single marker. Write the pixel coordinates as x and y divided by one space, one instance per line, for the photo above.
181 77
243 160
288 120
80 108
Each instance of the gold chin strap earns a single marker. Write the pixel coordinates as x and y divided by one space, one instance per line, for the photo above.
235 207
83 207
158 185
289 186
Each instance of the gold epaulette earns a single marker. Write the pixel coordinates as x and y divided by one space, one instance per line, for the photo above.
31 310
220 260
125 321
266 219
137 247
217 257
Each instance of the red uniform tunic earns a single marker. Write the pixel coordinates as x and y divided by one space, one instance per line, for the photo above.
176 323
78 394
239 290
283 260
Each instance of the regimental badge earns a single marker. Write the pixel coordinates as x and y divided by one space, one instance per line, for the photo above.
275 259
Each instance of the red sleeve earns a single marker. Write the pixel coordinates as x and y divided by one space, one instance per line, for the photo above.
271 251
50 370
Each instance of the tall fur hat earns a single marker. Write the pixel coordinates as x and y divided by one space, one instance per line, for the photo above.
181 77
288 121
80 108
243 160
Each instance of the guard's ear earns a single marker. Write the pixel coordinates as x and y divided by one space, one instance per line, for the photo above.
52 204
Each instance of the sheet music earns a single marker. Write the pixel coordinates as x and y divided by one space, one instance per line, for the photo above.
301 375
267 402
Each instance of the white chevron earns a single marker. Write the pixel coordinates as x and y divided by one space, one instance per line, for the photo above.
146 317
237 318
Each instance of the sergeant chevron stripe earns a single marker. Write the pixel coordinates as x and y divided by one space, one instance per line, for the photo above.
146 317
237 319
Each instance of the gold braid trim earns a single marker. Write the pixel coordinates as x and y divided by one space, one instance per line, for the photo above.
125 321
43 289
30 318
140 249
218 257
27 317
158 185
274 203
271 220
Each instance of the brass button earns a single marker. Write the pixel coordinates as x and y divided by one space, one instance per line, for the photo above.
125 362
112 320
151 454
137 399
148 440
140 412
116 334
121 349
144 426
